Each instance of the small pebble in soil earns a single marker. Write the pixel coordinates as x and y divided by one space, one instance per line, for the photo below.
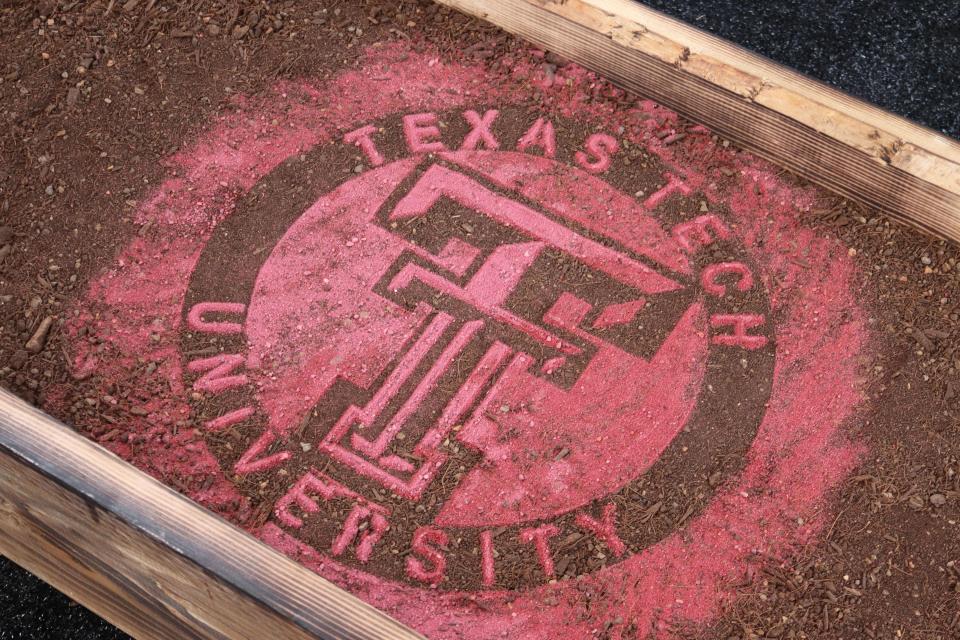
39 338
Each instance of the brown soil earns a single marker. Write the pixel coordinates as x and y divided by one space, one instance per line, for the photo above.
95 94
890 564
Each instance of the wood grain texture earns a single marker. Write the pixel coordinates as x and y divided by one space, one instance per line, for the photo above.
146 558
848 146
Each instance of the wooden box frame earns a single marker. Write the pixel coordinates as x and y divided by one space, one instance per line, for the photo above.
145 557
140 555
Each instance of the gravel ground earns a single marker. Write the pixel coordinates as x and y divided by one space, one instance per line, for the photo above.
903 56
30 610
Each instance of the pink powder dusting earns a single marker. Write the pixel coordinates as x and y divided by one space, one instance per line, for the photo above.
799 454
297 327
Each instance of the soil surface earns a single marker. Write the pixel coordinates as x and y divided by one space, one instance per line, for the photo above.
97 97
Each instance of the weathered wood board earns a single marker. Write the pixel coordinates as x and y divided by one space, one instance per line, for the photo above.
846 145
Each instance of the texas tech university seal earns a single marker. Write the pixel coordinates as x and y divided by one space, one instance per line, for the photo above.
498 369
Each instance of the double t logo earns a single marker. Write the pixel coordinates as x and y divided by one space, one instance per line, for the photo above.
505 290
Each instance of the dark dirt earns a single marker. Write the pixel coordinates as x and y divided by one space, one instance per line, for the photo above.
888 567
94 95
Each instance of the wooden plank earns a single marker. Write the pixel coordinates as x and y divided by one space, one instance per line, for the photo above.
148 559
848 146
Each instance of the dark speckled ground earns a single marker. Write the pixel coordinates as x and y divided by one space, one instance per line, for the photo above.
903 55
30 610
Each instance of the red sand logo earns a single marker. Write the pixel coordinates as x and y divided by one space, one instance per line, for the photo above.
500 373
483 353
